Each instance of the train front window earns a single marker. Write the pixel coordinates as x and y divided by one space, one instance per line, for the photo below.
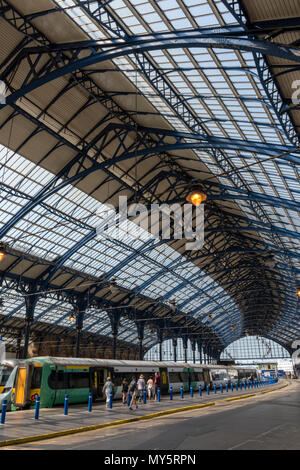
5 372
36 377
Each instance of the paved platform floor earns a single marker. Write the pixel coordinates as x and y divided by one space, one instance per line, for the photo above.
22 423
265 422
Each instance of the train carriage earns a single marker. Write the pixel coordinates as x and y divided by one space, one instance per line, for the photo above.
51 378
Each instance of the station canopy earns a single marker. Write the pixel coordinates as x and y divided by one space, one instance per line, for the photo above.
148 100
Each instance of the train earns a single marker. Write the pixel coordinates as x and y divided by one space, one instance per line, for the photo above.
51 378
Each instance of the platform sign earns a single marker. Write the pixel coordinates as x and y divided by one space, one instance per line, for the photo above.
266 374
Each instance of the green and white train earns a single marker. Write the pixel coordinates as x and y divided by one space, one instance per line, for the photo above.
53 377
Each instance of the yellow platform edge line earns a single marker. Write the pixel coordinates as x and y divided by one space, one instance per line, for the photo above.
256 394
275 389
241 397
41 437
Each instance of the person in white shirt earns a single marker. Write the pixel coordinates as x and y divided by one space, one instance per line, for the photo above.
141 386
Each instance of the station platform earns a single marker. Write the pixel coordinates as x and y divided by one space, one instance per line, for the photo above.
21 426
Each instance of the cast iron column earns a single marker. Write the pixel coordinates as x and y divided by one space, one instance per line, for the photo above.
174 340
140 325
81 306
30 303
185 345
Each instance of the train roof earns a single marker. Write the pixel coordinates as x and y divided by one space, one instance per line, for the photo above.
126 363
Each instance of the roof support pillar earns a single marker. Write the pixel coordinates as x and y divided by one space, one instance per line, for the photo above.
174 341
199 344
115 324
185 345
81 306
160 340
193 343
18 349
30 303
140 325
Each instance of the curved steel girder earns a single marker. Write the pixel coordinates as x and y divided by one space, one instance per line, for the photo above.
203 291
233 298
251 309
253 251
109 134
78 168
272 90
97 303
87 238
252 196
193 312
51 187
284 330
284 232
108 49
206 31
280 343
104 18
264 318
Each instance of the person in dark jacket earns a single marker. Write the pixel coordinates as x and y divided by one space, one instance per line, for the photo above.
133 390
124 391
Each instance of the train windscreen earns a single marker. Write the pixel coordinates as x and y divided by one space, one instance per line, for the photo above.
7 380
5 372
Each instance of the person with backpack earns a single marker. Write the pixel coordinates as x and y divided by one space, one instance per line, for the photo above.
107 388
132 390
140 386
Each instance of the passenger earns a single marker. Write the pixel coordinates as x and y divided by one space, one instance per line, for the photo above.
107 388
150 388
132 391
140 387
156 383
124 391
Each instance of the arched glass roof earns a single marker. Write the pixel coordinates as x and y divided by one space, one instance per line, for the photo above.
192 74
254 348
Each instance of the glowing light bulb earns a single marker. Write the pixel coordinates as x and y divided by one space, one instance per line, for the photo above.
196 198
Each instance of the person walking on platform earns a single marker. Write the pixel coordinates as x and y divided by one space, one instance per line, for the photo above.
132 390
141 386
150 388
124 391
107 388
156 383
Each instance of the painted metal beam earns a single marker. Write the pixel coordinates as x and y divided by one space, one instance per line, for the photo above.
109 49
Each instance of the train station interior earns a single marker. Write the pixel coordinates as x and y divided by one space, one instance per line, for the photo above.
149 227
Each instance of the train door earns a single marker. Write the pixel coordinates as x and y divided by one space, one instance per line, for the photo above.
164 384
23 385
206 375
192 379
97 380
185 378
